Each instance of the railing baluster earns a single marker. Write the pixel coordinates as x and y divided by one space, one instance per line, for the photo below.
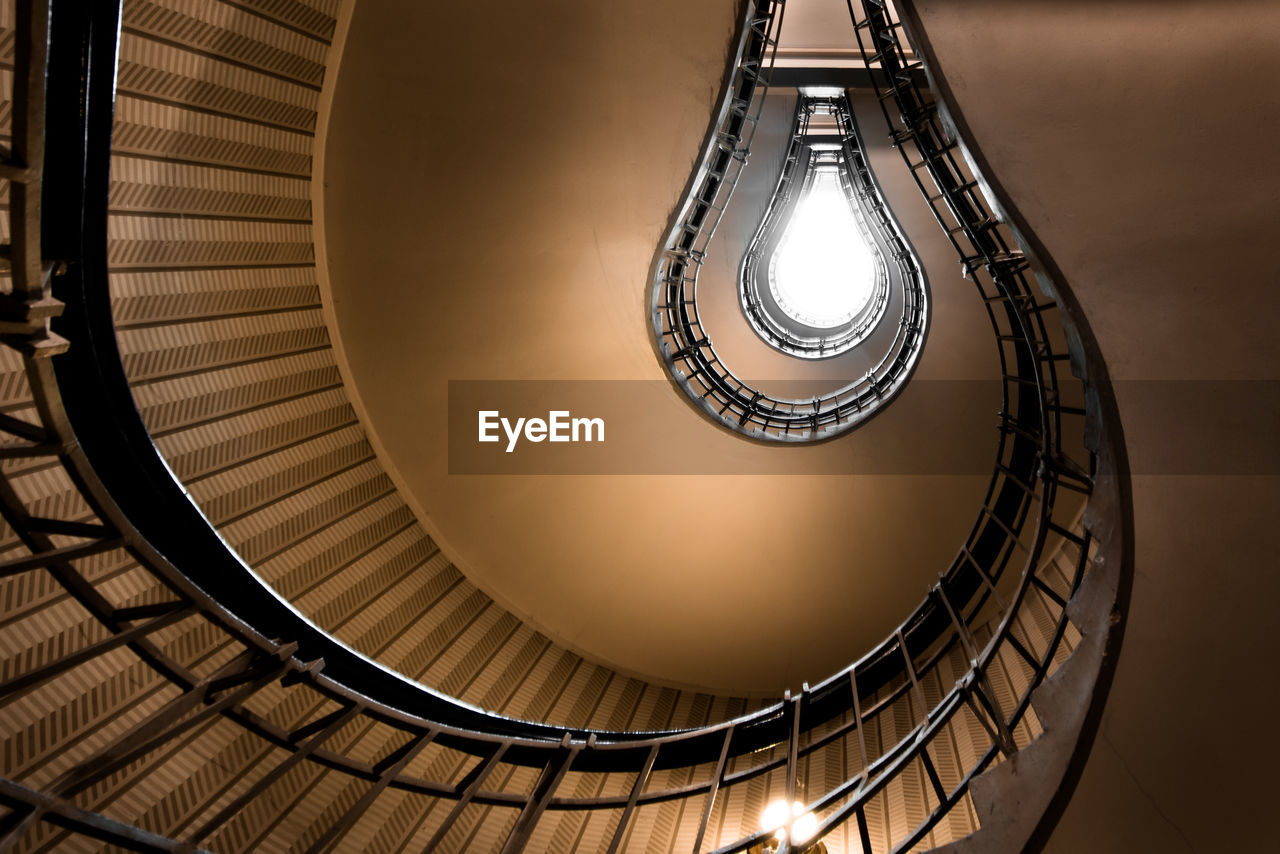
246 674
911 671
864 833
793 745
387 769
716 780
543 791
469 785
93 650
324 729
932 773
642 778
58 555
857 720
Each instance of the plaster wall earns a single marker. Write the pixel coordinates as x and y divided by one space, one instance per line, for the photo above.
521 252
1137 140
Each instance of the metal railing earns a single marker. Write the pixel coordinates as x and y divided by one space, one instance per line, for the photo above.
684 344
959 670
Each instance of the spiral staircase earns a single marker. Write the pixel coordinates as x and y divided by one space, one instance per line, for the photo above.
224 627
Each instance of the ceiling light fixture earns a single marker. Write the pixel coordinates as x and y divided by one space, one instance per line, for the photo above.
826 261
789 821
823 272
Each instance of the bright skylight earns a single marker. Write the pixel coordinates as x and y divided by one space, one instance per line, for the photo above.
824 271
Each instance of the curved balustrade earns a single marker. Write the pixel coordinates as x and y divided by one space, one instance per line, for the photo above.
883 752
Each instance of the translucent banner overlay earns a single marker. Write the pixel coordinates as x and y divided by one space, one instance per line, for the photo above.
935 427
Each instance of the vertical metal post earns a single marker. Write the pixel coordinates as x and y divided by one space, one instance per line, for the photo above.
177 611
915 681
987 581
25 163
932 773
329 726
636 788
793 761
715 788
864 833
386 768
468 787
248 671
962 630
545 788
857 720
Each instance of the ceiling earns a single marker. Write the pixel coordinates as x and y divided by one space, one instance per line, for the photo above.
478 229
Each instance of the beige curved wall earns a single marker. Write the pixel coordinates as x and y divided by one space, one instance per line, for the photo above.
1138 141
493 215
